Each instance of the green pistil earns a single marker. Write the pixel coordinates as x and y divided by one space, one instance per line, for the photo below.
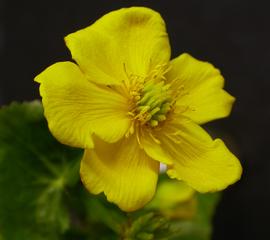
154 103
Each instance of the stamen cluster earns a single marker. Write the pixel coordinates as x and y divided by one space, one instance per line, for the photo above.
154 103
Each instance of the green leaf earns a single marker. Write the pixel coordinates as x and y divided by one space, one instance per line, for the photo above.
36 173
98 211
146 226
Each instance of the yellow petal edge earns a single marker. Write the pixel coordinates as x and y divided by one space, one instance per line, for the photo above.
122 170
76 108
126 41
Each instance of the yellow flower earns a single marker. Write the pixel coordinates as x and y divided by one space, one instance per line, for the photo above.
131 108
174 199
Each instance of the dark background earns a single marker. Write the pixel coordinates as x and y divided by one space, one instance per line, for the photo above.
232 34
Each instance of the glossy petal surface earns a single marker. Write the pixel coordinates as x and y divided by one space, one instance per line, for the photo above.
204 164
122 170
75 108
129 41
200 87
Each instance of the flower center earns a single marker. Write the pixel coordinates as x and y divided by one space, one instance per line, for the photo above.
153 103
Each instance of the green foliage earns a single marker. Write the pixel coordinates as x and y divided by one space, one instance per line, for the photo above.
35 172
147 226
200 226
42 198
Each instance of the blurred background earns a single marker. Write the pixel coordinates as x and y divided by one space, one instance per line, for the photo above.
233 35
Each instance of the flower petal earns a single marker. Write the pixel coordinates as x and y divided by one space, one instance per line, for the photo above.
203 163
75 107
152 146
130 39
122 171
202 91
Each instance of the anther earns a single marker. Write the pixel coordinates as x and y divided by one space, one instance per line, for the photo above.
153 123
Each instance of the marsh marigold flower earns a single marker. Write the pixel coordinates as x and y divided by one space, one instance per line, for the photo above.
131 107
